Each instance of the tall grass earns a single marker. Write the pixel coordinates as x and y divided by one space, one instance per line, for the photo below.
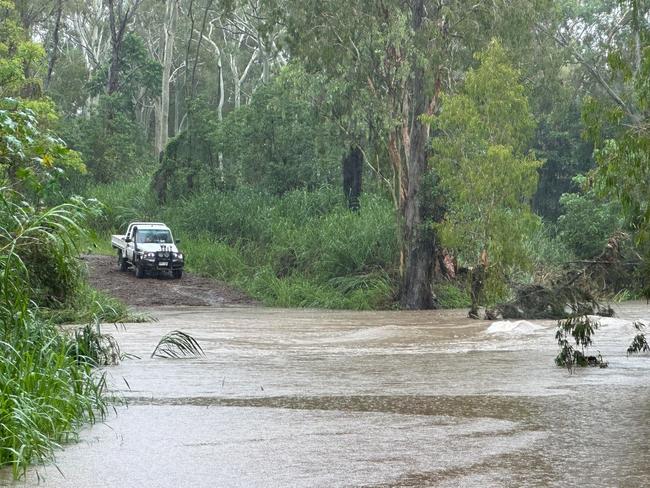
46 392
303 249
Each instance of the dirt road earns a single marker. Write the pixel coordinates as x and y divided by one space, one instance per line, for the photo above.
190 290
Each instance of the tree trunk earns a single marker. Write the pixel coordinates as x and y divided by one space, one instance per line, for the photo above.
177 107
222 97
418 244
477 278
352 171
112 82
118 19
169 27
55 44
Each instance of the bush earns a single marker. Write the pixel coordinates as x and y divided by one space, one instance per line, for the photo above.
587 222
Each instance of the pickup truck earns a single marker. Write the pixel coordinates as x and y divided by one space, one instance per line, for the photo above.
148 247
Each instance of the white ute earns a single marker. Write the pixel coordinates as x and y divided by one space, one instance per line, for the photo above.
148 247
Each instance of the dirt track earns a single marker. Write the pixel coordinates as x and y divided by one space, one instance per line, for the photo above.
190 290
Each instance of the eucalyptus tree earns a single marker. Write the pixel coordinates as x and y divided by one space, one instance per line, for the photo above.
20 58
403 54
487 173
167 46
85 36
610 41
54 44
158 28
120 14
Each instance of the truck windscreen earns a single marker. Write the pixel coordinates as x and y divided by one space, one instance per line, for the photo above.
154 236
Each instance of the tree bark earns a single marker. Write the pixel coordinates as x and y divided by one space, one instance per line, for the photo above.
477 277
168 34
55 44
222 97
418 243
352 172
118 20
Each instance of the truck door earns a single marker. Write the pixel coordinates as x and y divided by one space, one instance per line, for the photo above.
130 246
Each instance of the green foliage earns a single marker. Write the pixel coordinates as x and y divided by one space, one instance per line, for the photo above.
46 392
123 202
19 57
304 248
580 328
450 295
587 221
639 343
558 138
92 347
619 128
30 155
548 253
140 74
86 305
479 156
624 166
280 141
111 141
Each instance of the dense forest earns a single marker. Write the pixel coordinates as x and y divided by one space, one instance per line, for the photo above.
336 154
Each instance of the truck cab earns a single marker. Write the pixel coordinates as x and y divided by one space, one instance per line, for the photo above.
148 247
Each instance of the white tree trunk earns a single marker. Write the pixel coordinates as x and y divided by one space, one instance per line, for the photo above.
162 122
222 97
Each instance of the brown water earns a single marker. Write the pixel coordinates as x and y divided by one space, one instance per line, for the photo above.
291 398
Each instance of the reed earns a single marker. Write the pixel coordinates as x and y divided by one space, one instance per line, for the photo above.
47 391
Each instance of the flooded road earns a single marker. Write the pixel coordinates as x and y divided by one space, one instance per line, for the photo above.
294 398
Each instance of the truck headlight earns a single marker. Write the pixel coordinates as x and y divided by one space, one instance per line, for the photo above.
150 255
179 256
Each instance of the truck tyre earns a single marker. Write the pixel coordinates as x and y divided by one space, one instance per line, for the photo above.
139 271
121 262
177 274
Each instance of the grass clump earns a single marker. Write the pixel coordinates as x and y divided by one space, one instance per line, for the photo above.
88 305
46 395
47 391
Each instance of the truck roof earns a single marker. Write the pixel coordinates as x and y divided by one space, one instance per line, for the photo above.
147 224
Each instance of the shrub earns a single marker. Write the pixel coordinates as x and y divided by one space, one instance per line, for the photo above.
587 221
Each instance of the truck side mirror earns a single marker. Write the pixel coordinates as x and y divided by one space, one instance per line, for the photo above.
178 241
128 239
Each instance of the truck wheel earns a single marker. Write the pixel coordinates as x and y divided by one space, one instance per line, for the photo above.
121 262
139 271
177 273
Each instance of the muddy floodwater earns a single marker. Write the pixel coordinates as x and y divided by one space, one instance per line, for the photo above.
294 398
